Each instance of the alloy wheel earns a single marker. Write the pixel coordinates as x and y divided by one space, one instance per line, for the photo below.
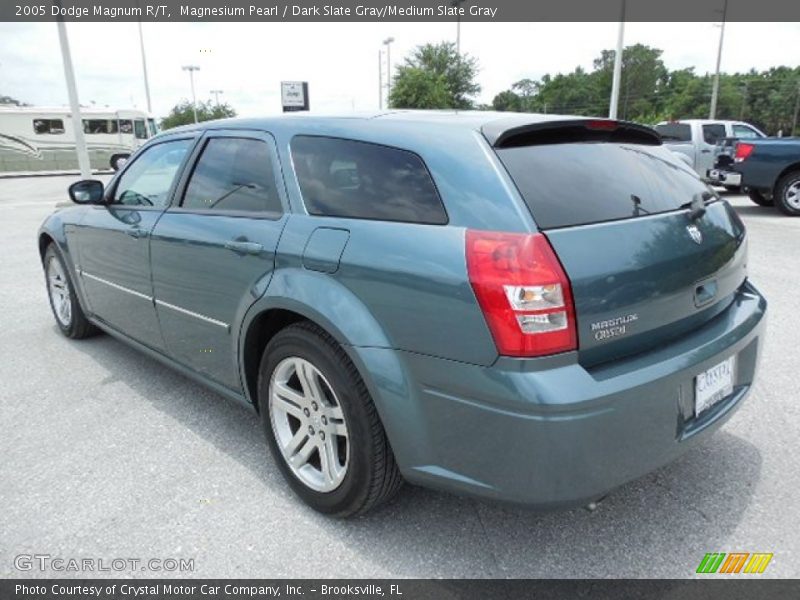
308 424
58 287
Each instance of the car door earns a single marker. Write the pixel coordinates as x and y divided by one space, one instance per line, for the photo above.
213 251
706 144
113 241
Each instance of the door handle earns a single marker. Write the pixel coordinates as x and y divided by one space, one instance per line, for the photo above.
136 232
705 151
244 247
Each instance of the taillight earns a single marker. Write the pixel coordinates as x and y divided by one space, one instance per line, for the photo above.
602 125
523 292
743 151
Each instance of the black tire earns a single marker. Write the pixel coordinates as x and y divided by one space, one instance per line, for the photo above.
372 476
77 326
118 161
733 189
787 194
760 198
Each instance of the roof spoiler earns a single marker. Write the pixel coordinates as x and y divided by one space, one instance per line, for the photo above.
569 130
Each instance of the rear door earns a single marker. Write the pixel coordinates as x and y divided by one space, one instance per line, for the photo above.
213 251
642 271
711 133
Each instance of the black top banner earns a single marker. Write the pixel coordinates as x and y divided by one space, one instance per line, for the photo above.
405 10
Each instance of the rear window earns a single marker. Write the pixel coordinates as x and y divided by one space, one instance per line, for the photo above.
576 184
674 132
347 178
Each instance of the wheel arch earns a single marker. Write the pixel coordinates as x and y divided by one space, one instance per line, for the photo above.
791 168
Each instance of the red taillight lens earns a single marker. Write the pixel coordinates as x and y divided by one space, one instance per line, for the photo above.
743 151
602 125
523 292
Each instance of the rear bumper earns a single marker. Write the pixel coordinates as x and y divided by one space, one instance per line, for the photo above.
552 433
722 177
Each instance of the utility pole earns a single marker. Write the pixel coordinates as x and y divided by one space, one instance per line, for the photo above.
216 95
388 43
380 80
74 105
796 111
712 114
744 101
617 77
192 69
144 69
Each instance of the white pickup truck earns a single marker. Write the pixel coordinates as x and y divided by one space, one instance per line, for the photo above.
697 139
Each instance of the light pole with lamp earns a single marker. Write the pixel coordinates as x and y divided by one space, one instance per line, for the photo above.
216 95
192 69
388 43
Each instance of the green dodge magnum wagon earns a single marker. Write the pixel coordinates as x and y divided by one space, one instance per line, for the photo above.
531 308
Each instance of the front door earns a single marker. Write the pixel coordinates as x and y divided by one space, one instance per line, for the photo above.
213 251
705 155
113 242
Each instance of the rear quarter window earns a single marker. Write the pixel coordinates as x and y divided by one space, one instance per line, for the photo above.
361 180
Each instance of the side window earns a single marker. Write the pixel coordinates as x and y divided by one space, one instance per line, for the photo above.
139 129
346 178
743 131
100 126
147 181
713 132
233 174
52 126
151 126
126 126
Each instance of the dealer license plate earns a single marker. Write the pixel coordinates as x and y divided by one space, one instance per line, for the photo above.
713 385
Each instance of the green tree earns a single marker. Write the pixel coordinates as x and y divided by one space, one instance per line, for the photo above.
435 76
507 101
182 114
11 101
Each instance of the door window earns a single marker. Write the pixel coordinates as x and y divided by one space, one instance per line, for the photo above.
713 132
744 132
234 174
147 181
139 129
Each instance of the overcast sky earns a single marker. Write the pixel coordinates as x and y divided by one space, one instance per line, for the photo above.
340 61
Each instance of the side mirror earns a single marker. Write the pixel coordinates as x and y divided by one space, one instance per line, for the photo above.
87 191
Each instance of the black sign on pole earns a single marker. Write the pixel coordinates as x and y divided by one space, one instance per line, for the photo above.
294 95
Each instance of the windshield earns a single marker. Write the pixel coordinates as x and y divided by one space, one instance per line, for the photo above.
580 183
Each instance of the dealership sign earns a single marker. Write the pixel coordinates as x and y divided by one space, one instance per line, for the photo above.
294 95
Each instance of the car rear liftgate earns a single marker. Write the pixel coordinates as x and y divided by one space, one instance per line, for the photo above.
645 265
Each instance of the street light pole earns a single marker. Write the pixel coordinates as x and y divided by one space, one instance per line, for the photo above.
144 68
75 107
380 81
388 43
216 95
192 69
456 4
712 113
615 82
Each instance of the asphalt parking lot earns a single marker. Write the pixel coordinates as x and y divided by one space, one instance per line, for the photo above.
105 453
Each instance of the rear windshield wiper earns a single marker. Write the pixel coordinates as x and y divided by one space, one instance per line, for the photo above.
698 204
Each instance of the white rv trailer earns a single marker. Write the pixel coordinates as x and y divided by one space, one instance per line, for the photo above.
37 140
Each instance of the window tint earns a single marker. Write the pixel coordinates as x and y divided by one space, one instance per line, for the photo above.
712 133
675 132
54 126
345 178
574 184
126 126
100 126
148 179
139 129
743 131
233 174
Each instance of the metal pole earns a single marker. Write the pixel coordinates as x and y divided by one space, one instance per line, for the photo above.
192 69
388 43
144 68
216 95
796 111
617 77
712 114
75 107
380 81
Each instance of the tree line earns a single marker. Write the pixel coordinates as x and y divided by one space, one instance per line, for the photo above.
436 76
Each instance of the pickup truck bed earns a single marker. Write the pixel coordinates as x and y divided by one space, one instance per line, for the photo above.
770 169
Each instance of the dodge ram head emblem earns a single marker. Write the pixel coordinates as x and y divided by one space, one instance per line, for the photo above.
695 234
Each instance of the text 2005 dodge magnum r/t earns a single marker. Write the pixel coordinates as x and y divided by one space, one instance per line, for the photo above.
532 309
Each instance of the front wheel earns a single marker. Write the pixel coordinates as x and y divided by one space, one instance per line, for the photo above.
63 300
760 198
321 424
787 194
